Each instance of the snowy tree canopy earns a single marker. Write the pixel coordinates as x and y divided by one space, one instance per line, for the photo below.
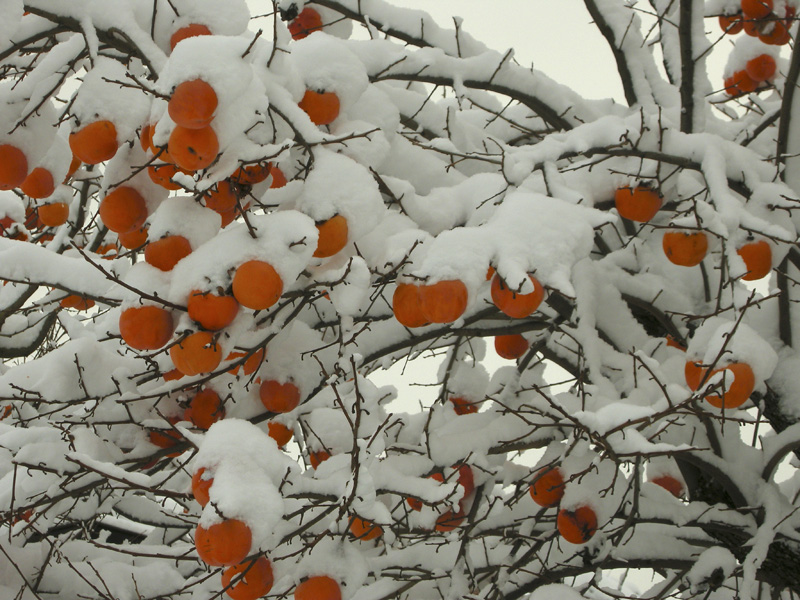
224 221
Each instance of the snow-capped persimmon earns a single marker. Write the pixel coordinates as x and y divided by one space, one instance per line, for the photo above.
511 346
252 174
776 35
146 136
577 526
279 397
196 353
201 485
669 483
731 24
162 175
133 239
193 104
221 198
361 529
443 301
165 438
416 503
278 178
513 304
94 143
757 257
205 409
123 209
738 382
73 166
319 587
693 373
254 579
223 544
321 107
406 305
193 149
685 248
76 302
167 252
547 487
318 457
13 167
756 9
55 214
251 364
38 184
146 327
462 406
449 521
192 30
740 83
332 236
257 285
307 22
280 433
211 311
639 203
761 68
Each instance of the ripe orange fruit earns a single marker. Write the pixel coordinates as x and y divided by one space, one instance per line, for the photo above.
279 397
669 483
307 22
332 236
221 198
407 307
201 486
511 347
193 149
731 24
740 83
123 210
162 175
365 530
211 311
255 360
278 178
257 285
166 438
205 409
320 587
95 142
757 257
192 30
252 174
577 526
761 68
38 184
146 136
466 479
416 503
318 457
145 327
462 406
223 544
280 433
737 385
443 301
449 520
76 302
172 375
73 166
516 306
547 488
756 9
778 35
167 252
196 353
693 373
321 107
256 582
192 104
685 249
55 214
13 167
133 239
638 204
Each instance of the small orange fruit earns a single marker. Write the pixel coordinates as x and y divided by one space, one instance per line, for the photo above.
257 285
211 311
365 530
280 433
669 483
547 488
318 457
95 142
193 149
279 397
761 68
638 204
192 30
449 521
205 409
162 175
55 214
307 22
693 373
511 347
407 307
133 239
443 301
320 587
416 503
13 167
321 107
197 353
278 178
462 406
77 302
192 104
38 184
223 544
757 257
737 385
256 579
167 252
252 174
685 249
577 526
145 327
201 486
731 24
332 236
123 210
756 9
779 35
222 198
516 306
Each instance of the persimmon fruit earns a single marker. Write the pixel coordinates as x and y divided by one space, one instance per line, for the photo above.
685 249
278 178
192 30
54 214
321 107
201 486
757 257
222 198
443 301
547 488
361 529
761 68
123 209
737 384
133 239
145 327
332 236
319 587
196 353
76 302
205 409
256 579
94 143
756 9
669 483
13 167
162 175
449 520
779 35
406 306
193 104
38 184
223 544
513 304
193 149
577 526
639 203
318 457
416 503
462 406
307 22
257 285
740 83
280 433
167 252
693 373
731 24
511 346
211 311
252 174
279 397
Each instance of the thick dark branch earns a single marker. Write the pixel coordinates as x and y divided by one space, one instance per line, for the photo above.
687 66
619 55
784 125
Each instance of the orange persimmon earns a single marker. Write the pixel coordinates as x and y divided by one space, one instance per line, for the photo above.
513 304
443 301
685 249
94 143
145 327
321 107
223 544
577 526
193 104
13 167
257 285
332 236
167 252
